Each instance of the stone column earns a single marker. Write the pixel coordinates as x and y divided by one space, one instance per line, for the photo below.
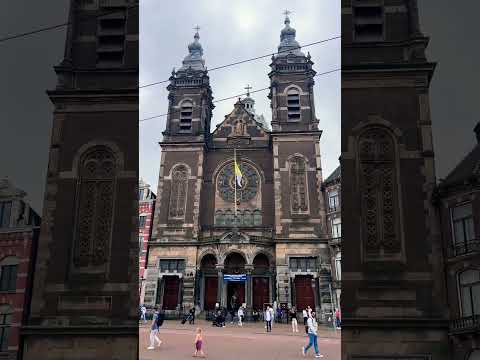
248 293
220 284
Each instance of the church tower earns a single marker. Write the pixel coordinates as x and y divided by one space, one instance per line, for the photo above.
190 98
291 80
299 224
180 181
393 291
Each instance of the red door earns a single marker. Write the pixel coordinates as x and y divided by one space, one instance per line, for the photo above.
170 292
260 292
304 292
211 285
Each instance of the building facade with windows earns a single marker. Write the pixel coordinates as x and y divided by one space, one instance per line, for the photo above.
458 203
19 229
269 223
332 192
146 208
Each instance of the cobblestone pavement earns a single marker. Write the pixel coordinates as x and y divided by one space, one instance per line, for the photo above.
249 342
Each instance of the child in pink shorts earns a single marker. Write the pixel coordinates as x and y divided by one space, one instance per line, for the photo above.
198 344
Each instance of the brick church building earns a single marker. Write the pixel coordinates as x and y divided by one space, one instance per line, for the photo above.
275 238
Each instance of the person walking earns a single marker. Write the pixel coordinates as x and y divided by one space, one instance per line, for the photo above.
191 318
157 321
293 317
199 344
312 336
272 317
305 316
240 314
337 319
268 319
143 313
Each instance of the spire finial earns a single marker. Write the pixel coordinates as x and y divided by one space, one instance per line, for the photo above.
196 28
286 13
248 87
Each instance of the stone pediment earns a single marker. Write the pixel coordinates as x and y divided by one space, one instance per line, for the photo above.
239 127
235 237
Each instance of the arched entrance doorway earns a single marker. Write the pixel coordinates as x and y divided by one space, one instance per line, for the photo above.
260 282
210 281
235 290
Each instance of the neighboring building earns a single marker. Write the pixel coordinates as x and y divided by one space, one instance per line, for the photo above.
85 293
458 204
146 207
332 190
19 228
278 240
393 296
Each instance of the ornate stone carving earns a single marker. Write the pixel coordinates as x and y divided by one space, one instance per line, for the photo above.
377 179
298 185
178 194
96 194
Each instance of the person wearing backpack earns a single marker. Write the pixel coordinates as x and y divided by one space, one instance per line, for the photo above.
157 322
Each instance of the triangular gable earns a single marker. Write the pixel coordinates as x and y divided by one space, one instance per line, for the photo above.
240 124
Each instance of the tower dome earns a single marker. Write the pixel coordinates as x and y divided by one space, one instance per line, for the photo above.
194 58
288 44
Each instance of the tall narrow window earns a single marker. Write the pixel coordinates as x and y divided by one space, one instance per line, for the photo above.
293 105
5 321
333 202
229 218
378 191
141 221
336 228
463 230
5 212
247 218
186 112
469 282
368 21
219 218
257 218
111 39
8 277
140 194
298 186
96 185
338 266
178 195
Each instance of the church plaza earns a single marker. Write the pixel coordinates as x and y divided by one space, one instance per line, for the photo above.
237 343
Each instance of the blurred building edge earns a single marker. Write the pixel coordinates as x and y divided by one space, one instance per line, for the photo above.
393 285
146 209
85 292
19 229
458 204
332 189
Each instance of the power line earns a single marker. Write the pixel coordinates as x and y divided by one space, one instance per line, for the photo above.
235 96
248 60
68 23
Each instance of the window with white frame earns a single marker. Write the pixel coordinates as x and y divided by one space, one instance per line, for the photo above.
333 202
336 228
338 266
462 224
469 288
142 221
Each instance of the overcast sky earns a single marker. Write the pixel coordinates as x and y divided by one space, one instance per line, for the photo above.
241 30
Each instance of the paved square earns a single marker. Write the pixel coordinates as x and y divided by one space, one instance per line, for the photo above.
249 342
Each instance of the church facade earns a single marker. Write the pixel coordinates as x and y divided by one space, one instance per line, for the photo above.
256 242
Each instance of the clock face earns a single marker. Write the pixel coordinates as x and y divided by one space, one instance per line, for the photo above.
226 183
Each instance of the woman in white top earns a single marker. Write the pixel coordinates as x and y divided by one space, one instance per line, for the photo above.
240 315
312 336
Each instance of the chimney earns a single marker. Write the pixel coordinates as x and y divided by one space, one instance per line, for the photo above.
476 130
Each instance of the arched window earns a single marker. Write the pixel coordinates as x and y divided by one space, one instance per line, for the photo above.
257 218
378 187
219 218
469 282
186 116
293 105
298 186
229 220
5 321
247 218
8 273
96 191
178 194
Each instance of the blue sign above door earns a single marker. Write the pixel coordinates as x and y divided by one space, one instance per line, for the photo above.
237 278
